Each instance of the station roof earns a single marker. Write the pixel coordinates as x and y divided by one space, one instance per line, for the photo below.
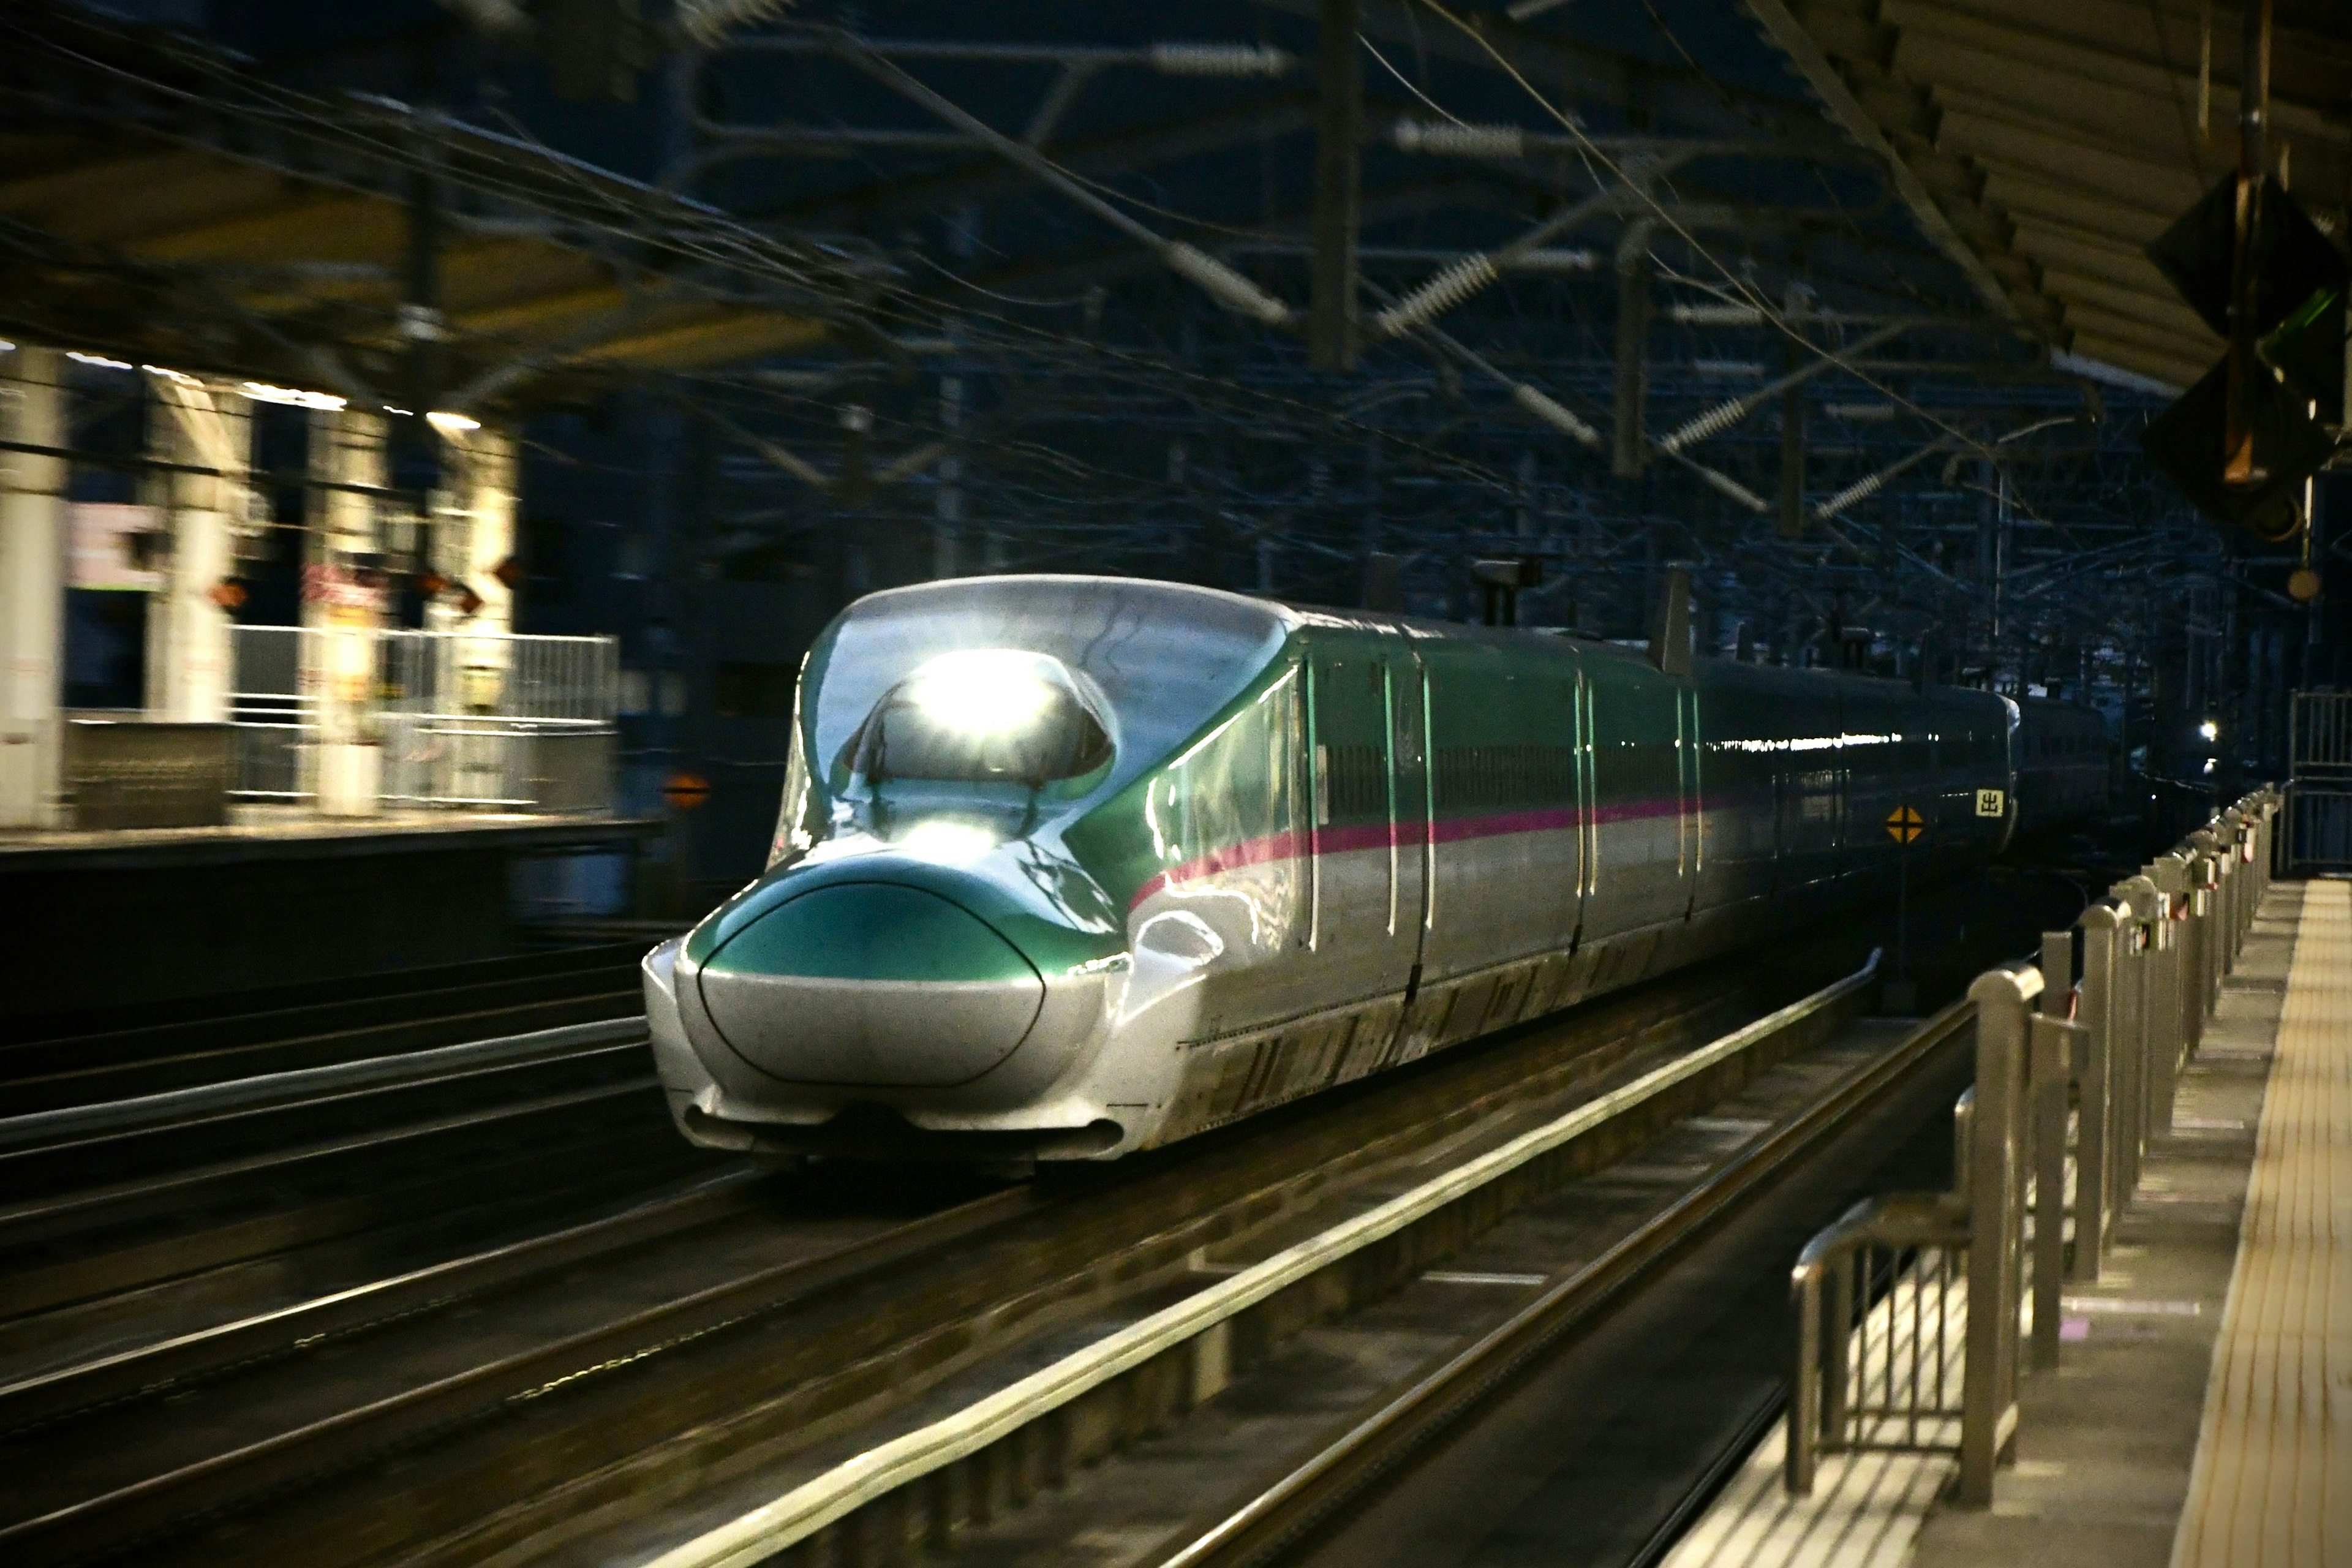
167 202
2042 146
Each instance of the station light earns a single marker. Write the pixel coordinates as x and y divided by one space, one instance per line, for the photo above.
2210 730
451 423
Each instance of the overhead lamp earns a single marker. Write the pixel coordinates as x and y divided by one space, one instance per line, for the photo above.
452 423
100 359
2210 730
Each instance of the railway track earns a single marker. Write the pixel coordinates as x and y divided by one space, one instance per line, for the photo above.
159 1217
1333 1361
48 1063
438 1417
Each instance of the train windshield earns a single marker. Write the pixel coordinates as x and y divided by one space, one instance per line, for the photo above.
983 716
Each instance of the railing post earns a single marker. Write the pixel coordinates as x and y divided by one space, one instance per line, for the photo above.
1996 1199
2227 858
2168 1011
1804 1385
1837 1343
2195 959
2135 967
2205 889
2048 1064
2095 1140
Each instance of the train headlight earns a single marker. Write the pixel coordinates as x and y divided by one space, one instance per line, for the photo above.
986 691
947 842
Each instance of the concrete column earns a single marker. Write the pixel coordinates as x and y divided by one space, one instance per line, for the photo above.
190 657
32 587
474 534
342 610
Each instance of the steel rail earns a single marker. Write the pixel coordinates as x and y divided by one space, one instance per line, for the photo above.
885 1470
302 1005
1277 1518
206 1103
154 1369
1155 1225
175 1184
98 1057
352 1436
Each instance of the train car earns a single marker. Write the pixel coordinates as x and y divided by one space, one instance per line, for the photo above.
1068 868
2064 763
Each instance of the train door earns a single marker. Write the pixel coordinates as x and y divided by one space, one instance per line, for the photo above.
1692 839
1587 817
1366 935
1642 873
1406 685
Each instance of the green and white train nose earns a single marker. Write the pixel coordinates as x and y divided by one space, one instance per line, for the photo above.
868 983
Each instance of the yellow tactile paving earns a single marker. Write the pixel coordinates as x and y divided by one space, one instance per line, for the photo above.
2272 1483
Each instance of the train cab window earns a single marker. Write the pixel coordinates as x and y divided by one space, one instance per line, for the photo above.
980 716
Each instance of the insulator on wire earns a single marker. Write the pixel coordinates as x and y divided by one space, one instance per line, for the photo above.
1452 141
1220 59
1222 284
1545 259
1730 486
1861 489
1550 412
1448 289
1714 421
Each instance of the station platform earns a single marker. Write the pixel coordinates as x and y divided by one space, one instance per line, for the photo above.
2201 1413
125 916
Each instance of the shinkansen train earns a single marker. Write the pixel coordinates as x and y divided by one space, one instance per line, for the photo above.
1072 866
2062 764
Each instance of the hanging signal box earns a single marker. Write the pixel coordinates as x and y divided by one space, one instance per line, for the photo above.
2294 386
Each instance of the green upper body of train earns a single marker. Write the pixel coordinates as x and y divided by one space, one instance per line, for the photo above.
1069 867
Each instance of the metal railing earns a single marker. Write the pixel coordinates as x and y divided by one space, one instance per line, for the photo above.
2077 1059
2319 785
500 722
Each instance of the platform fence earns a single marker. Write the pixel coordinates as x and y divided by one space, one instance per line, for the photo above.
2318 836
457 719
2078 1055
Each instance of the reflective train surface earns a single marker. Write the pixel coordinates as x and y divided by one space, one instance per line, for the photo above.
2062 762
1072 866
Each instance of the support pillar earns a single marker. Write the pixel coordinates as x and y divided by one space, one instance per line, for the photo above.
1338 188
474 534
32 587
1792 463
342 610
1630 448
472 537
190 661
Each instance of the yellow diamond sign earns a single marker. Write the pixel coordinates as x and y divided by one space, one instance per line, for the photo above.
1904 824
